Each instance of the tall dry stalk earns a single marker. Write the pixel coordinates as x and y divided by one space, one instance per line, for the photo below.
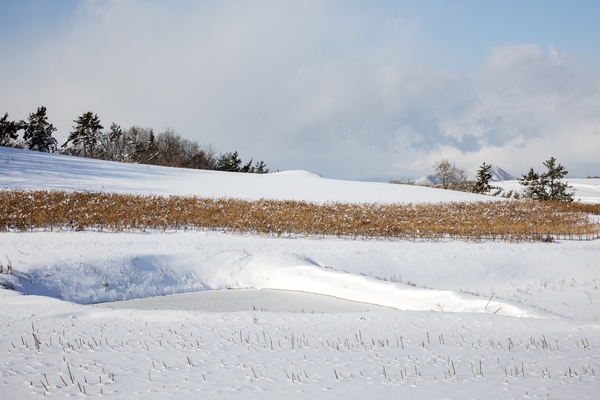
22 210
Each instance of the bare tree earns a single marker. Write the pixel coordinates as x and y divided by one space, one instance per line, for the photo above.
449 175
175 151
112 143
170 149
443 172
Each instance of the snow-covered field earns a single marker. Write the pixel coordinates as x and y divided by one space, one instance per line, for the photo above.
463 320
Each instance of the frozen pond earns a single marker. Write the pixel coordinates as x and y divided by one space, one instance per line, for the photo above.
245 300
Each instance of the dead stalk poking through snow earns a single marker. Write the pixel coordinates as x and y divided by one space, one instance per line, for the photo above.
472 221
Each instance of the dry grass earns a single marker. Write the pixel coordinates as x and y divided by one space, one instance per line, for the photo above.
500 220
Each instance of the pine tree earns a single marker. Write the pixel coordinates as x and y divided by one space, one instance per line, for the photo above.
547 186
557 190
38 132
229 162
260 168
248 167
8 130
534 188
484 175
86 133
149 152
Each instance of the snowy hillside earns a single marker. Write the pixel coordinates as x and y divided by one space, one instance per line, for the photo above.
28 170
403 318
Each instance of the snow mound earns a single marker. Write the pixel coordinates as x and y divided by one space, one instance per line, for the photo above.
92 267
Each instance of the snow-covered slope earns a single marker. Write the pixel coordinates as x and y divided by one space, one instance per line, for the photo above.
30 170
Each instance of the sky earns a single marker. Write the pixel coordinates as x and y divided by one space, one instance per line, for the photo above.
346 89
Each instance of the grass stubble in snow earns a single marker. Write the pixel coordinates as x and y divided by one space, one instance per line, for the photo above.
158 354
474 320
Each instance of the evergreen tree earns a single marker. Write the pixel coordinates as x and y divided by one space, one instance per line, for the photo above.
86 133
8 130
149 151
115 138
229 162
534 185
116 133
260 168
38 132
482 185
557 190
547 186
247 167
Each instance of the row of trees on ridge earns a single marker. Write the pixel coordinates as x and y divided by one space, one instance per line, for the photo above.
135 144
538 186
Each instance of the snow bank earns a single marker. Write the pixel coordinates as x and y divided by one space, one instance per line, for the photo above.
556 280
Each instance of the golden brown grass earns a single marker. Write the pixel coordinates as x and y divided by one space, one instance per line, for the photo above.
499 220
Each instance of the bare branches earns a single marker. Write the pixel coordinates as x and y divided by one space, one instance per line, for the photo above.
449 175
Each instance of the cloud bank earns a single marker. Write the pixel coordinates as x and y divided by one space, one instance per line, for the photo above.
306 85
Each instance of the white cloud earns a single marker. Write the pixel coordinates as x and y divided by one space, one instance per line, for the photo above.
300 86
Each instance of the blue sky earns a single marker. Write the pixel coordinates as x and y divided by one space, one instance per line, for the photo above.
346 89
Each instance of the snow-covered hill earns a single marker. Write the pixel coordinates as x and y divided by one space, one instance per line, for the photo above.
479 320
34 170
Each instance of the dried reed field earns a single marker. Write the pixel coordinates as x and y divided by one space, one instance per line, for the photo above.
471 221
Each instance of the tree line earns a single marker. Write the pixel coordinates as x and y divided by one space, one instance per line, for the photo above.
134 144
546 186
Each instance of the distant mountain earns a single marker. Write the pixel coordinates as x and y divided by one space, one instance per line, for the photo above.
429 180
498 175
376 179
